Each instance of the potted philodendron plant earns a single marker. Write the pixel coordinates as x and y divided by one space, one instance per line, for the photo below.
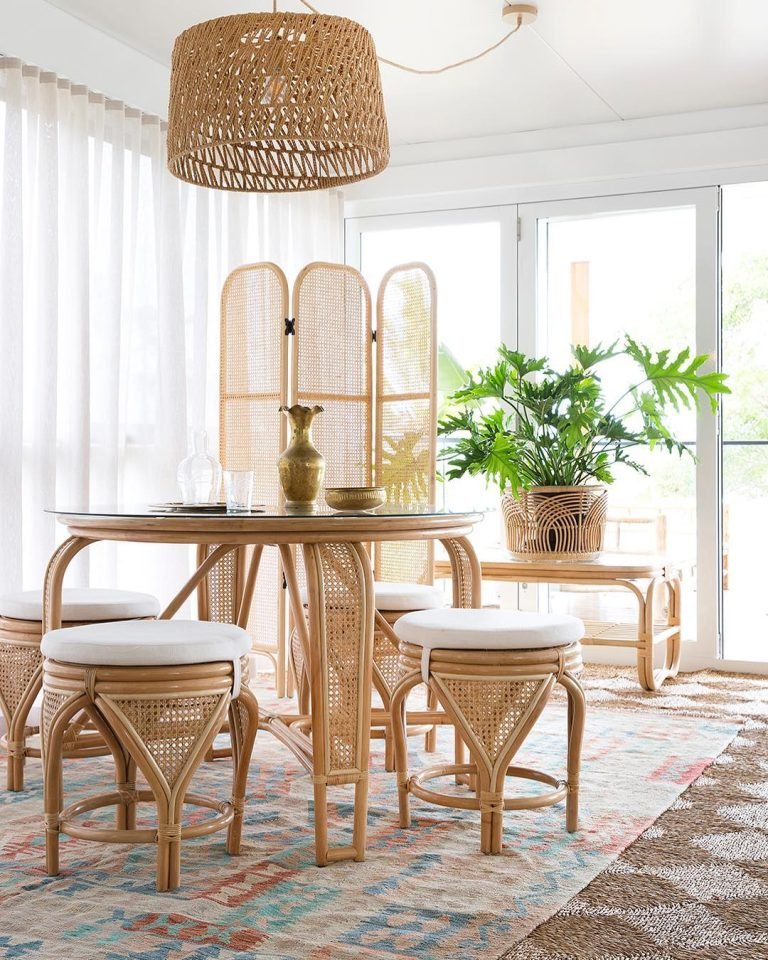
551 440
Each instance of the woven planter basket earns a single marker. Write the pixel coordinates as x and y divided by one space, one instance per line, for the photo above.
555 523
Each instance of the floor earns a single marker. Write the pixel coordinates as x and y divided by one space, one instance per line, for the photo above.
695 884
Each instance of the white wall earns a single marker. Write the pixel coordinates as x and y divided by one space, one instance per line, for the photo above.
45 36
629 156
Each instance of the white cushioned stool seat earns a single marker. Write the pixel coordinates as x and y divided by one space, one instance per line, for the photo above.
459 629
402 596
82 605
150 643
407 596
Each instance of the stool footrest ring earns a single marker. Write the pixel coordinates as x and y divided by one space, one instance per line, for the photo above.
68 825
416 787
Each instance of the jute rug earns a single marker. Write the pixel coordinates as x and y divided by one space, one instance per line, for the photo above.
423 893
695 884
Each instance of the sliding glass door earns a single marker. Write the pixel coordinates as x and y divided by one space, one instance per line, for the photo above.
745 422
473 256
593 271
544 276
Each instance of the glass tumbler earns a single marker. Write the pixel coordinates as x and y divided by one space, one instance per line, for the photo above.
238 490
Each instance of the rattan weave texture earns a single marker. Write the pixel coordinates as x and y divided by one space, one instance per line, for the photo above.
19 664
53 702
332 366
492 709
254 370
276 102
345 649
556 523
170 728
406 408
221 588
254 305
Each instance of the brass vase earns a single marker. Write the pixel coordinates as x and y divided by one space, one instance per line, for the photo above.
301 465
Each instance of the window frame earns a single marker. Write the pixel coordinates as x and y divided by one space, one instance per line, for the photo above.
518 305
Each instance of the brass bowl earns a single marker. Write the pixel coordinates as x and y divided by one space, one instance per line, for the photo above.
355 498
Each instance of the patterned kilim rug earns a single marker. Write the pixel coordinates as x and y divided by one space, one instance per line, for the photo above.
694 885
423 893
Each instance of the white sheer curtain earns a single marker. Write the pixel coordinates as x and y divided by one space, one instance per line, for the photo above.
110 274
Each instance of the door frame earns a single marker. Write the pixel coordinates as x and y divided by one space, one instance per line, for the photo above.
505 215
705 650
518 304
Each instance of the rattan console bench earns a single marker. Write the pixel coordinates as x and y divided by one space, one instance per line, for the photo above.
647 578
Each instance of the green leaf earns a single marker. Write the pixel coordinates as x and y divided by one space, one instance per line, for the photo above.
520 423
587 357
677 381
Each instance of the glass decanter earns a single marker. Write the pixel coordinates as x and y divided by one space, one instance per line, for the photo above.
199 474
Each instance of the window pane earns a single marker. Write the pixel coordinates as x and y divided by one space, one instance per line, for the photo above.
745 533
745 420
466 261
601 277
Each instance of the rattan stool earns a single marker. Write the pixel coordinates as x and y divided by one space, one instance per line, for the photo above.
158 692
21 628
492 671
393 601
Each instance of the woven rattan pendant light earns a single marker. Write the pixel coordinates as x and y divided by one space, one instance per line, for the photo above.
276 102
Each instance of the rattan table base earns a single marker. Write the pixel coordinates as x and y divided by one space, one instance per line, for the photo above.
332 739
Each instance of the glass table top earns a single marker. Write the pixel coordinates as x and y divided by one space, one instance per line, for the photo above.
265 511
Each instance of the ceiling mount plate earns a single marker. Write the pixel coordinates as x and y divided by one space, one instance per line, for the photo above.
519 13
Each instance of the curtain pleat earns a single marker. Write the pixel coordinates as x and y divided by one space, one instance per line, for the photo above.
41 323
110 278
11 319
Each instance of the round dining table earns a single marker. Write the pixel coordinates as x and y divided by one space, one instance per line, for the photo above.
333 617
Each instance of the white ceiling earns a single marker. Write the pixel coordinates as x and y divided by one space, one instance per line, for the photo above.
582 62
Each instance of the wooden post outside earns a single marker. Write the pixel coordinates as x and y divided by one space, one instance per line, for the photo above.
580 302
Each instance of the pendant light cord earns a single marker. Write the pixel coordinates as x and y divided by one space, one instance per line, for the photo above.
448 66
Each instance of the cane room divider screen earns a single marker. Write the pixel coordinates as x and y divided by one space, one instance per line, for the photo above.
373 429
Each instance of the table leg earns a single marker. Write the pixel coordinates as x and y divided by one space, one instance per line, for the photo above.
54 579
467 577
52 591
339 646
299 622
674 619
207 559
649 678
467 592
